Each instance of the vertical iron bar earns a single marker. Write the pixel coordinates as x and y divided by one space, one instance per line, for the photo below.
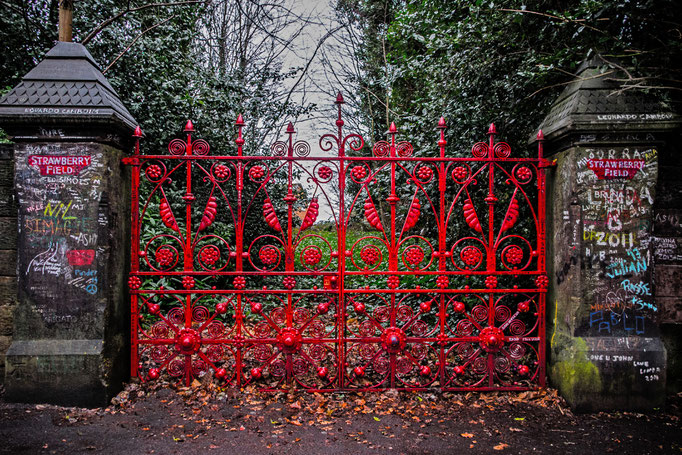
441 247
188 256
393 251
135 251
341 248
490 256
289 258
541 253
239 247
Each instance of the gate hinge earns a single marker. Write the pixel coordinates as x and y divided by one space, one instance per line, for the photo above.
546 163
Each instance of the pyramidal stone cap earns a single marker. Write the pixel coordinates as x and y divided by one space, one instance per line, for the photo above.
67 87
595 102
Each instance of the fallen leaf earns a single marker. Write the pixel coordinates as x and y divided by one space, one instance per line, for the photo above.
520 419
467 435
377 418
501 446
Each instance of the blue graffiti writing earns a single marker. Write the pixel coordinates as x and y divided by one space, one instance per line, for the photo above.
640 288
636 264
643 305
605 324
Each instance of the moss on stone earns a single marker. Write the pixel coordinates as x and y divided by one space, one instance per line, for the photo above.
572 373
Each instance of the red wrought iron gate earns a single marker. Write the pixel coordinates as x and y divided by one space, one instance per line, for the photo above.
340 271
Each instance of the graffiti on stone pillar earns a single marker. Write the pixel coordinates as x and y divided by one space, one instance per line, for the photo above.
616 194
59 187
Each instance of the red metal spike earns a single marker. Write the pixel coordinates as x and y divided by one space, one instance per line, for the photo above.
492 129
290 128
339 99
240 120
189 127
441 123
540 136
137 132
392 128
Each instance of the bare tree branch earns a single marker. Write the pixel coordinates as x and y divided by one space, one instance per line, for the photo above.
597 76
581 22
133 42
312 57
128 10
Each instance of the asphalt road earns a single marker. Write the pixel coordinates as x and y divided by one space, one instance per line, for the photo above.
206 419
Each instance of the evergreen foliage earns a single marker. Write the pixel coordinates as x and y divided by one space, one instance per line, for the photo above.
477 62
170 61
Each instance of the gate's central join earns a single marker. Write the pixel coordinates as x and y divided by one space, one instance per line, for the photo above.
393 340
187 341
289 340
492 339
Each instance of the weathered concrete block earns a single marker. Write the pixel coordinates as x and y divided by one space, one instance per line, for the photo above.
8 262
668 279
6 320
8 290
8 205
596 373
6 173
5 342
8 232
671 334
64 372
670 308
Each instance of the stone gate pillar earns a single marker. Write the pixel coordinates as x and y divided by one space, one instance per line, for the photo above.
69 129
605 347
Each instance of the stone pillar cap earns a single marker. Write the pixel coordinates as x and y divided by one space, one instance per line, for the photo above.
66 88
594 102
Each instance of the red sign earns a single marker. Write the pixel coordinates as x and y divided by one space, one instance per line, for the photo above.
80 257
59 164
615 169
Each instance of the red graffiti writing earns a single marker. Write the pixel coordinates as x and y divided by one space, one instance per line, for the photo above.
80 257
59 164
615 169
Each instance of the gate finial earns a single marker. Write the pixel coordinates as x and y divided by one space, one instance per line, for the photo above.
137 134
441 141
189 127
240 140
541 139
